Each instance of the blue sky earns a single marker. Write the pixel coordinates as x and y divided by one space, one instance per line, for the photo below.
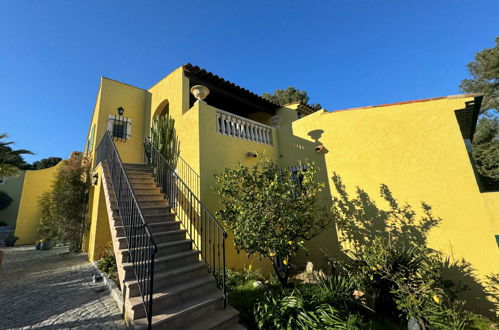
344 53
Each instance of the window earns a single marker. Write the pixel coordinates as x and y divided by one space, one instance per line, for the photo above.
120 127
295 170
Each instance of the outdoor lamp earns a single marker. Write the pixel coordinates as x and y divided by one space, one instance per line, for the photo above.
95 179
251 154
121 111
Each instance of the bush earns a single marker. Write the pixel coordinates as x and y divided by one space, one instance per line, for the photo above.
278 310
107 264
272 212
336 290
63 207
235 279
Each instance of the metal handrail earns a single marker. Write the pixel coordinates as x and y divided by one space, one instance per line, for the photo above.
206 234
142 247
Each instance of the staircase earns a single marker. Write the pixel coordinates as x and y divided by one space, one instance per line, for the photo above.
185 293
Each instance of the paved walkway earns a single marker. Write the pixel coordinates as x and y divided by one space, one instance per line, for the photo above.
53 290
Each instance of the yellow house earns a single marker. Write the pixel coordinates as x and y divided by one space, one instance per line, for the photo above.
419 150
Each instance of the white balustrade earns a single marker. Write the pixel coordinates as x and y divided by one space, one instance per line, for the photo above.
243 128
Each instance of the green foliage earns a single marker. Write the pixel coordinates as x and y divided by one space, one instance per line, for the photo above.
164 138
290 95
327 317
336 290
11 160
43 163
269 213
239 279
5 200
278 310
485 72
107 264
63 207
486 152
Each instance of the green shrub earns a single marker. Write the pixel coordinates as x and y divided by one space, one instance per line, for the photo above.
324 317
270 213
107 264
238 279
278 310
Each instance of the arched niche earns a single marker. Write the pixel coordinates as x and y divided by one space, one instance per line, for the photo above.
162 109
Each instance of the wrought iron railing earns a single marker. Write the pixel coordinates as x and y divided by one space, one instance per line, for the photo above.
141 245
206 234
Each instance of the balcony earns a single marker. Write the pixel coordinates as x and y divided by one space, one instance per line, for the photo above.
243 128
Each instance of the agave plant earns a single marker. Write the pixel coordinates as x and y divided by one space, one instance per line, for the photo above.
164 138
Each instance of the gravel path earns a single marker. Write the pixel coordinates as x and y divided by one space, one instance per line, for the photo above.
53 290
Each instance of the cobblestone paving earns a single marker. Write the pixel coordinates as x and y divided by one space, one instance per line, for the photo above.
53 290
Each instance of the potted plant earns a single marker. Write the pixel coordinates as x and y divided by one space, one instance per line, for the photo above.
45 244
11 240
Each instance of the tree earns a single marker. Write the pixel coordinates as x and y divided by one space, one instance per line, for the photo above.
486 152
10 160
485 72
42 163
290 95
271 211
63 207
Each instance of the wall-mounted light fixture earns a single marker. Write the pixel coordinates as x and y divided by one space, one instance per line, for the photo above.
121 111
95 179
275 121
200 92
251 154
319 148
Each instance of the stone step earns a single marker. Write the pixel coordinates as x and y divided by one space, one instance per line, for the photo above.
144 185
180 315
156 227
164 249
154 202
168 262
159 237
170 277
170 295
146 190
223 319
160 217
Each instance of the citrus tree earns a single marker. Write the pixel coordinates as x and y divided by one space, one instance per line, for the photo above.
270 211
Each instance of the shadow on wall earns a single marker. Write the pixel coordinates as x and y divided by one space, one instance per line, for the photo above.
360 220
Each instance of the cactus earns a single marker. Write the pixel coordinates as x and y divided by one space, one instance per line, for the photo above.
164 138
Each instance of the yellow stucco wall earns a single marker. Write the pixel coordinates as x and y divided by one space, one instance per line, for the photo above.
417 150
113 94
36 182
99 235
13 187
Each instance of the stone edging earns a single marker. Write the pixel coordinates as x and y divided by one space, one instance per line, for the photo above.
114 292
